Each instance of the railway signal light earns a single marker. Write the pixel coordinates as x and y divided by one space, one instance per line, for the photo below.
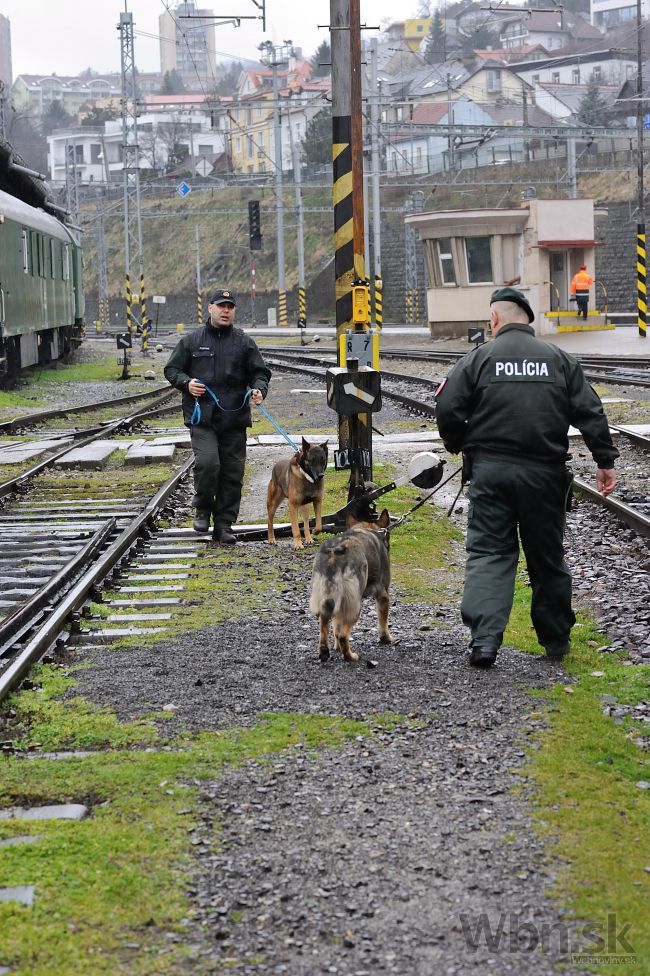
254 228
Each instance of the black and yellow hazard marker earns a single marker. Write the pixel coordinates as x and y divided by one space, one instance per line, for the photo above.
282 308
642 309
408 301
143 303
199 307
379 302
128 297
344 272
302 306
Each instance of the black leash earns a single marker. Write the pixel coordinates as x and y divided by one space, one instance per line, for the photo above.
427 497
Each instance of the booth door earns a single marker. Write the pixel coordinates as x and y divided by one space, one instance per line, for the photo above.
559 278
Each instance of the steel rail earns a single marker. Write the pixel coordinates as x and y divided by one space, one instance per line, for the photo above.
39 644
13 627
7 487
636 520
8 425
633 435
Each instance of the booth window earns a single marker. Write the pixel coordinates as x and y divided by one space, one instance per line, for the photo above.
446 261
479 261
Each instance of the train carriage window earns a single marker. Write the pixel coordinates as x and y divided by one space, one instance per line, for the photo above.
66 262
41 255
479 260
33 246
47 257
26 255
52 257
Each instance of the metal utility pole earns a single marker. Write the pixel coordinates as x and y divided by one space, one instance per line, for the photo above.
300 231
412 284
642 308
275 58
347 150
3 104
199 301
71 184
133 254
571 168
375 162
102 275
355 431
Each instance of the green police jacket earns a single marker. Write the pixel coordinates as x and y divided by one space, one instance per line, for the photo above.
517 396
228 362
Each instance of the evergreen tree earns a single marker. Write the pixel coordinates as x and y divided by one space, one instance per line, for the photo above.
227 85
172 83
317 144
435 42
593 109
321 60
55 117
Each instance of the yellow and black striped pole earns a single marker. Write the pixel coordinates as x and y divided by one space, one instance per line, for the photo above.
379 302
355 433
302 306
129 301
143 302
199 307
282 309
642 309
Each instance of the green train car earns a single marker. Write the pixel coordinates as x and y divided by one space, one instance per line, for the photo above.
41 294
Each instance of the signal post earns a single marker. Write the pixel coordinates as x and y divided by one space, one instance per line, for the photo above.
352 286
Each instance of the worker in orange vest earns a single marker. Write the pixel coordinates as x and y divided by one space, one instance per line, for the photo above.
580 284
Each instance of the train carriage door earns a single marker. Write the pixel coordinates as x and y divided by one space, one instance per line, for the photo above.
559 280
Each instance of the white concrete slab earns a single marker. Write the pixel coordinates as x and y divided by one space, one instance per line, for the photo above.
149 454
93 456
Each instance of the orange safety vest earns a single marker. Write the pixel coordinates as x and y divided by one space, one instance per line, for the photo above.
581 281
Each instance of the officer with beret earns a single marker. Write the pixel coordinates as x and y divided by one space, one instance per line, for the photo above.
219 369
508 406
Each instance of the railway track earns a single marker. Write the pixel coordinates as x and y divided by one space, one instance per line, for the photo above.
634 513
627 372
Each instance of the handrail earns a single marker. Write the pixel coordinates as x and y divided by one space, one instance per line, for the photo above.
597 281
557 293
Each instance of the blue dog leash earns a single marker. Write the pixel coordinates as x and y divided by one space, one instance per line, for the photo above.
196 414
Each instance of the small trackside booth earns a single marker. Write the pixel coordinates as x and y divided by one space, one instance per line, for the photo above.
537 248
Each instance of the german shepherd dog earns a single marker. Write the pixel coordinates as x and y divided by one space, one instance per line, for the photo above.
301 481
348 568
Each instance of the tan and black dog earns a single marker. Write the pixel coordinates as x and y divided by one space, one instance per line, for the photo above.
348 568
301 480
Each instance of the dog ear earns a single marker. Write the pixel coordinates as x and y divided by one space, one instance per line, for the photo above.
383 522
305 445
324 446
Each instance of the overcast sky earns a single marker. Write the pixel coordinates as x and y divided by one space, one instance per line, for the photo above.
67 36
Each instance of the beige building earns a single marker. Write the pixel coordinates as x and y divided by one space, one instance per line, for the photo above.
187 44
6 75
537 247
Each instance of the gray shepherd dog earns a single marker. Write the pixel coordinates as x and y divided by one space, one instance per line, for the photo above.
301 480
348 568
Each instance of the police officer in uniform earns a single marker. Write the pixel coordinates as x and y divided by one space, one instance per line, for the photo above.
508 406
219 369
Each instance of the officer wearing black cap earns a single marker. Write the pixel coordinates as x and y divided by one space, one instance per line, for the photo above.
508 406
219 369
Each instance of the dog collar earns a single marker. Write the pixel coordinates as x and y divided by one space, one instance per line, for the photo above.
305 475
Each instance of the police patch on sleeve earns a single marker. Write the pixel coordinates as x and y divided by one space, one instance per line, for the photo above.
522 371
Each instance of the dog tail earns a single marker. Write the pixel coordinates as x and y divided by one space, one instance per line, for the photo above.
339 597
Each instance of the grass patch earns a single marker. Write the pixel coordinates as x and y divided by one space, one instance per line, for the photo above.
76 373
10 400
594 818
109 889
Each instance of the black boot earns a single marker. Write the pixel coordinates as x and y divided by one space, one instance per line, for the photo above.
224 534
201 521
483 655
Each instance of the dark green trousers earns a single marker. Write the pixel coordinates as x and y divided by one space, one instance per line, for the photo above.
219 462
506 498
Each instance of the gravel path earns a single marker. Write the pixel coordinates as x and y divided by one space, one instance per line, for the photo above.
382 856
